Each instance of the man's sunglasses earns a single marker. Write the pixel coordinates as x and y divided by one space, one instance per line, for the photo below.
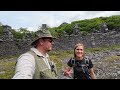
48 39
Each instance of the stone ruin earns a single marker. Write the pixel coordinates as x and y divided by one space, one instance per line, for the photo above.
44 26
28 37
75 29
96 38
103 27
7 35
9 46
95 31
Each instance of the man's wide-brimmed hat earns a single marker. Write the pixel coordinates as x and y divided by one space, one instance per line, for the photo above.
43 33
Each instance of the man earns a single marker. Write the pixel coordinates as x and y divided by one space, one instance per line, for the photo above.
35 64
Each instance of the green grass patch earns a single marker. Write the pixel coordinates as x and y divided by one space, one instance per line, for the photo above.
111 59
8 68
58 56
8 57
103 48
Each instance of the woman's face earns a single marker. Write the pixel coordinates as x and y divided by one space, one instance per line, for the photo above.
79 51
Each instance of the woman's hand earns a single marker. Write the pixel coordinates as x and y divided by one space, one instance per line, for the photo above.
67 72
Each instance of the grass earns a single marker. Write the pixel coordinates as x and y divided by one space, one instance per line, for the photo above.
7 66
58 56
103 48
112 59
8 57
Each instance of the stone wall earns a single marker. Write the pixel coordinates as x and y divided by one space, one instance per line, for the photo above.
16 47
90 40
8 48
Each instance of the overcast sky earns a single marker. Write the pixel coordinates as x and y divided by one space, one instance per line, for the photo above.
32 19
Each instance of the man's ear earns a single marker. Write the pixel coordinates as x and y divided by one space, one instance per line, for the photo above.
40 41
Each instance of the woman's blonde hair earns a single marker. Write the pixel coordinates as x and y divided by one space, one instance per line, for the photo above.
79 44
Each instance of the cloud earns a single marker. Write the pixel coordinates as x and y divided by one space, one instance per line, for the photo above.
33 19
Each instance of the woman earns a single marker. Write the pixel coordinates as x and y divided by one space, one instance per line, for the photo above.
82 66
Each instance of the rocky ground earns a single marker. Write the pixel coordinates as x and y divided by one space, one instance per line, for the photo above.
106 65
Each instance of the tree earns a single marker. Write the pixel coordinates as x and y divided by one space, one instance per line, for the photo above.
24 30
